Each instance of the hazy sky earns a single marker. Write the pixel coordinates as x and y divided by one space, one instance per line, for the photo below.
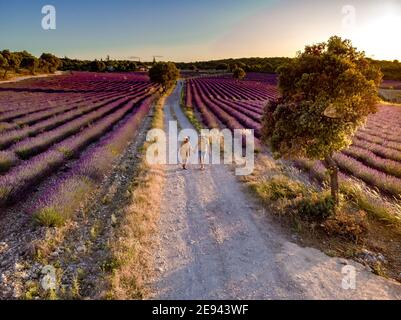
188 30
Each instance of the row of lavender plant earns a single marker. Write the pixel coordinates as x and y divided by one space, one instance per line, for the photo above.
370 159
242 118
32 146
220 114
230 115
378 149
207 117
17 97
9 137
66 194
43 109
31 172
375 178
378 140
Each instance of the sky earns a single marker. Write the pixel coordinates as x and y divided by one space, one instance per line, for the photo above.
195 30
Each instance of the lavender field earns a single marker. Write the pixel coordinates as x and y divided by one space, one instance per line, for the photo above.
234 104
64 133
374 157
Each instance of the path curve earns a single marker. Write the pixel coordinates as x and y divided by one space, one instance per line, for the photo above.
216 242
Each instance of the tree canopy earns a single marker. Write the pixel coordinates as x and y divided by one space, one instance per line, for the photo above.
29 62
327 92
164 73
49 62
239 73
3 62
268 65
97 66
13 61
23 60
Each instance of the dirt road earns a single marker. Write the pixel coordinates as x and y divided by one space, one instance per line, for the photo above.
216 242
18 79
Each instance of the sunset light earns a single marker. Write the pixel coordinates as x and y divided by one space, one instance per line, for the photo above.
207 156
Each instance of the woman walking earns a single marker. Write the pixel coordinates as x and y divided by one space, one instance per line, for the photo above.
185 152
203 149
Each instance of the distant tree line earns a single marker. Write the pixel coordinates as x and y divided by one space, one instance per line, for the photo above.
18 62
23 61
102 65
391 69
266 65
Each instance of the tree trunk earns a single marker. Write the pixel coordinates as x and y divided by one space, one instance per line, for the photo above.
333 170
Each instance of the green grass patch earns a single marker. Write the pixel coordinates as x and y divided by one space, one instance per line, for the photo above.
190 114
49 217
316 205
279 187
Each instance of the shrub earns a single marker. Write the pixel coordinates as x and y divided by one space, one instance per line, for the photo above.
316 206
348 224
239 74
283 187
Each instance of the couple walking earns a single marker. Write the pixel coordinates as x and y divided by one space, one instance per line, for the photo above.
186 150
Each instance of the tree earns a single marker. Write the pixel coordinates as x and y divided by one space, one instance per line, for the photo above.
164 73
13 61
222 66
131 66
49 62
3 63
239 74
267 68
232 67
327 92
30 63
97 66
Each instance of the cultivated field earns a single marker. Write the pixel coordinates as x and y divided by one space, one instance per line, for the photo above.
64 133
234 104
374 157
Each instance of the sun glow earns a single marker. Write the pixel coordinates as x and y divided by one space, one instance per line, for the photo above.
379 37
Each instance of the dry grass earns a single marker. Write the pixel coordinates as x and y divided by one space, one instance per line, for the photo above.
134 239
42 248
132 247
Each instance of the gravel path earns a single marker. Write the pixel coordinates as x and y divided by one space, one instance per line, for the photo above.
216 242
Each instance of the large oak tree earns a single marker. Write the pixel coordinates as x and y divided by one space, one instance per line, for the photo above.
327 92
